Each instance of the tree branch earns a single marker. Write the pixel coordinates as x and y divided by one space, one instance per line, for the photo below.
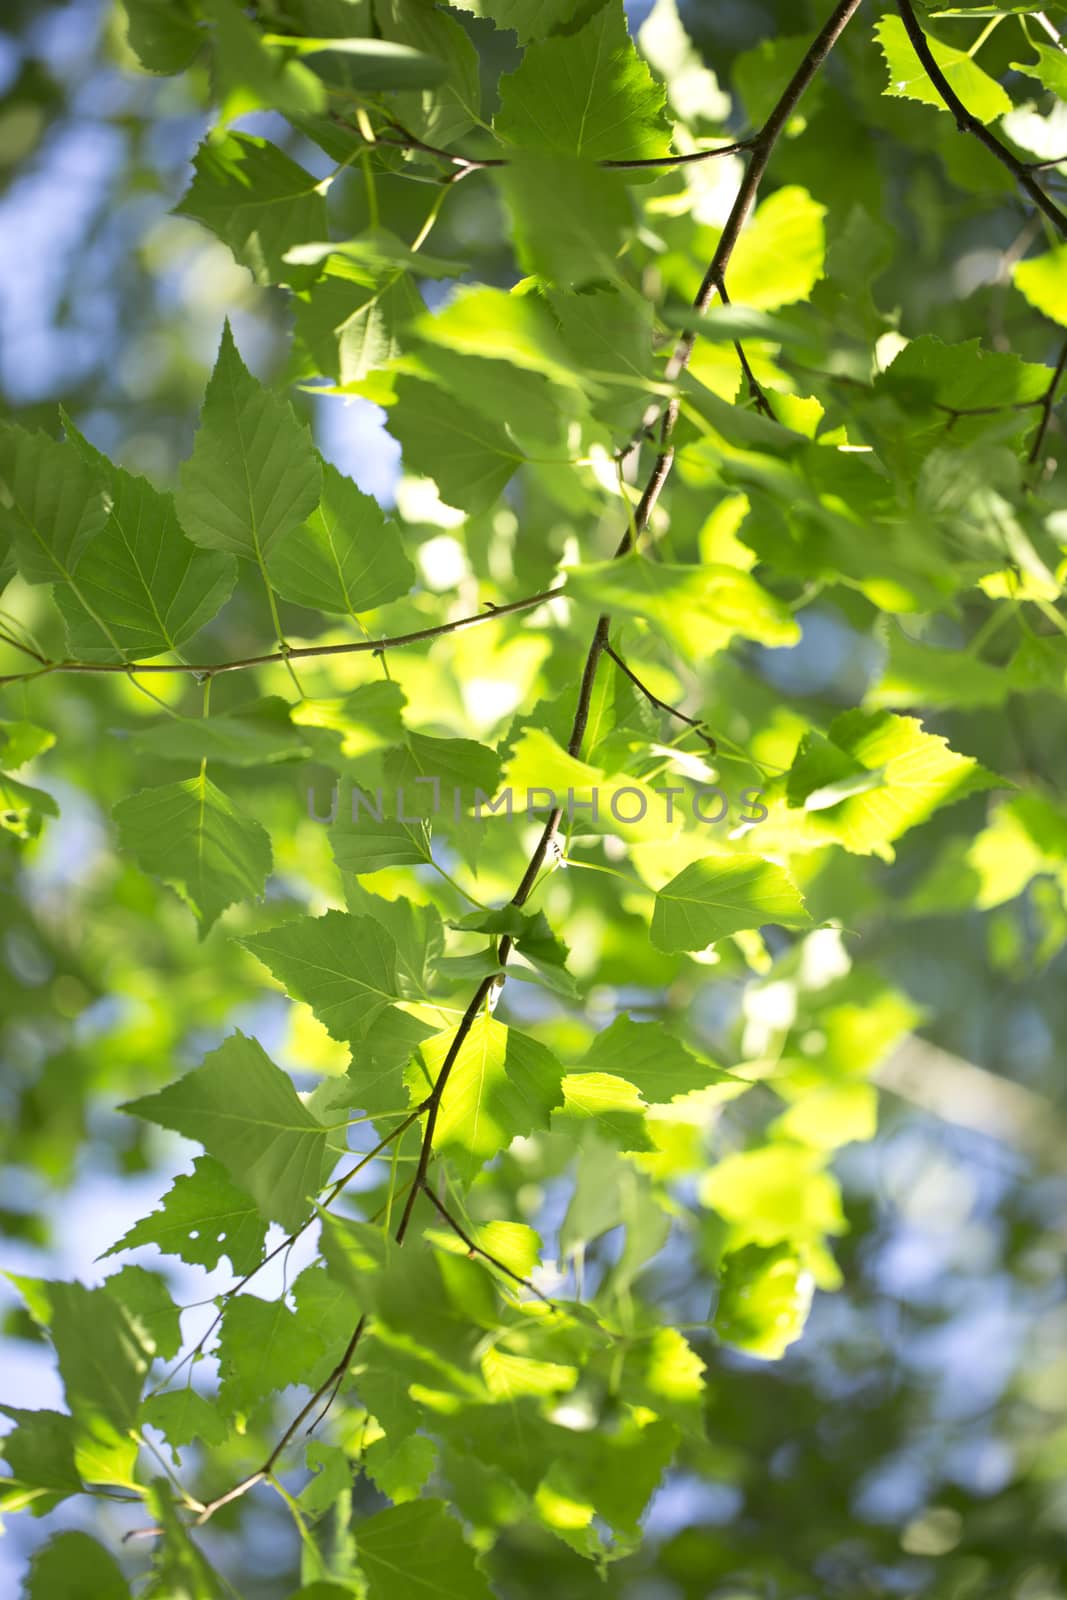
212 669
405 140
967 122
662 705
479 1250
755 388
1047 402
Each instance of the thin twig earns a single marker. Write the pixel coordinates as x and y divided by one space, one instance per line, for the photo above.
654 699
16 644
967 122
755 388
480 1250
405 140
1047 402
211 669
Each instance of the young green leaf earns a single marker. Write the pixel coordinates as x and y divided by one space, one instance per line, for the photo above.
588 95
72 1566
908 79
194 838
344 967
51 503
346 558
418 1548
469 457
203 1217
502 1083
141 587
253 476
645 1054
246 1113
257 200
721 895
699 608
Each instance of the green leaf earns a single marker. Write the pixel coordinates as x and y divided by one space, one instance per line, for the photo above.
252 75
611 1105
920 674
431 772
72 1566
21 742
498 325
141 588
262 738
918 773
779 257
453 107
263 1347
23 808
779 1193
721 895
1043 281
191 836
184 1417
246 1113
258 201
501 1084
146 1300
343 967
179 1571
1050 68
469 457
401 1471
369 63
161 33
981 94
645 1054
253 476
570 219
589 95
51 503
528 18
698 608
352 321
103 1362
204 1216
40 1452
379 1061
760 75
417 1548
370 836
346 558
608 338
928 374
378 254
764 1299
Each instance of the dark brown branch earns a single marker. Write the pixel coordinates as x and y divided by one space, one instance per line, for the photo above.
1047 402
466 1023
662 705
212 669
755 388
404 140
967 122
479 1250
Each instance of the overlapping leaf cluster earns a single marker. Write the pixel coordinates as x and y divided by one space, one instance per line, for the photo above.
510 1204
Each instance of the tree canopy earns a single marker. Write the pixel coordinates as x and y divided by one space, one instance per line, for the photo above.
532 693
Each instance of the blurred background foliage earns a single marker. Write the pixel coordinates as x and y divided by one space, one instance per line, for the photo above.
914 1441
